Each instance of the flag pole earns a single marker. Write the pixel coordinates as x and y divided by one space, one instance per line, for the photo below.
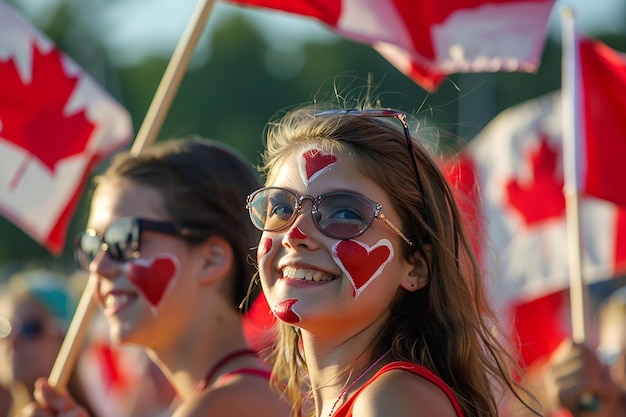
172 77
73 341
573 129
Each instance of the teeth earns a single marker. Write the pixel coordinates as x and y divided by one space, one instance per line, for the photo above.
111 301
306 274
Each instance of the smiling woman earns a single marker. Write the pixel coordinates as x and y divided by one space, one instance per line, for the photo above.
168 242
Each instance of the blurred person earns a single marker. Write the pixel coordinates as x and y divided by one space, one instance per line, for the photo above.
168 241
35 311
584 382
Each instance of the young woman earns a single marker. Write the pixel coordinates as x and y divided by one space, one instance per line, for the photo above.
365 262
168 241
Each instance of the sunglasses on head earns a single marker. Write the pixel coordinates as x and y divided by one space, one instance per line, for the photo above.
28 329
121 239
338 214
396 114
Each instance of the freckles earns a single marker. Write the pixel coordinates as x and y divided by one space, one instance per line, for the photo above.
296 233
153 277
362 263
312 163
284 312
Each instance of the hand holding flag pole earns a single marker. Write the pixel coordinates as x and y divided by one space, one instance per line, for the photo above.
166 91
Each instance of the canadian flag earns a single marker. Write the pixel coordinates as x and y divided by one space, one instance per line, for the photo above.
56 124
511 175
603 101
427 40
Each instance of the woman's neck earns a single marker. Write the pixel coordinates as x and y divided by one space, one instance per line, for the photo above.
335 371
186 362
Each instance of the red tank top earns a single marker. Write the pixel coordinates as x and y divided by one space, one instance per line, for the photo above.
346 408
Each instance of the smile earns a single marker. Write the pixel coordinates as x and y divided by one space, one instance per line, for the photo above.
306 274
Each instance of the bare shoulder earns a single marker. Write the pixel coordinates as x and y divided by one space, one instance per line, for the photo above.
402 394
242 396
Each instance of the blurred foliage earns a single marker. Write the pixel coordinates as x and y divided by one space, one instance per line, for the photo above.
232 96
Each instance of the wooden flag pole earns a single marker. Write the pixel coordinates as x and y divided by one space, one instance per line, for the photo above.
160 105
572 134
172 77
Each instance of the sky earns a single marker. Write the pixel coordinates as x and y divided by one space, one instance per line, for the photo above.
131 34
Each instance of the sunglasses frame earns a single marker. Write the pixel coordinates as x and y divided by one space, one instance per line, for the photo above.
137 227
316 201
396 114
38 327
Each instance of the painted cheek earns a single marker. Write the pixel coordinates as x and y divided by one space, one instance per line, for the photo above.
153 277
362 263
285 312
312 163
296 233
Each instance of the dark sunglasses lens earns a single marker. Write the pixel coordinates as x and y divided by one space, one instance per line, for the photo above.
87 247
344 216
273 209
122 239
31 329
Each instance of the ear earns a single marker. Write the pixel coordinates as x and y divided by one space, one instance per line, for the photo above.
419 275
216 260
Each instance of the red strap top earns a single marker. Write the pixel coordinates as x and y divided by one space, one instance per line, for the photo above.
346 408
261 373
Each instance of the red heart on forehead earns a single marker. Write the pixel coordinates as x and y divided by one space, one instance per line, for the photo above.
360 262
153 278
315 163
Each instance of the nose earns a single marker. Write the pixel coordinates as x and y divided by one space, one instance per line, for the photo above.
300 232
103 266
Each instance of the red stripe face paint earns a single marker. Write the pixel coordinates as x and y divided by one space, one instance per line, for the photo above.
312 163
296 233
265 247
285 312
153 277
360 262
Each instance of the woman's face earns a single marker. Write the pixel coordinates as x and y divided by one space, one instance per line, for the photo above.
323 284
29 350
142 298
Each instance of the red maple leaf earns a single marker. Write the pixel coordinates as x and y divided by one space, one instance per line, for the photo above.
32 112
542 198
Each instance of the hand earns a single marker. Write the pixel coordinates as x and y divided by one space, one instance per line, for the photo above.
52 403
574 374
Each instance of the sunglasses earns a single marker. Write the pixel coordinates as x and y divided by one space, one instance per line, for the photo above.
340 214
28 329
396 114
121 239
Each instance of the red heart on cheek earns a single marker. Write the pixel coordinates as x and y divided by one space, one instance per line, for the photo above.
360 262
316 163
153 277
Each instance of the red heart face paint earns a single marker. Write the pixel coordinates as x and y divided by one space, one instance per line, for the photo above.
360 262
153 277
296 233
312 163
265 246
284 312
